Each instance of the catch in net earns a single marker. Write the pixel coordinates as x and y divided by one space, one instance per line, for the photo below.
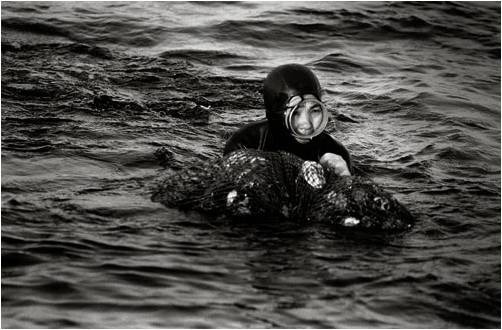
279 185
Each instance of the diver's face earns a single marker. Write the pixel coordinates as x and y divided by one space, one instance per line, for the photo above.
306 119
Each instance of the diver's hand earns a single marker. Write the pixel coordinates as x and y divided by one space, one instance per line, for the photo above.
336 162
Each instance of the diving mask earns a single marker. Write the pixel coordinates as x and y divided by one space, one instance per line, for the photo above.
316 115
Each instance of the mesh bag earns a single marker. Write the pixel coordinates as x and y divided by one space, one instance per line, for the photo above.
257 184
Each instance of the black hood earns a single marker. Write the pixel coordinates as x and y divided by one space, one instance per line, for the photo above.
284 82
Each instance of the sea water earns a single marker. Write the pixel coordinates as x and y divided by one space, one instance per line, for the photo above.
100 98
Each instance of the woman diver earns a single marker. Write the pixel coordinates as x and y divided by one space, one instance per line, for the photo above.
295 121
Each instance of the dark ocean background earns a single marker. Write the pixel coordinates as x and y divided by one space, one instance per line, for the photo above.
100 98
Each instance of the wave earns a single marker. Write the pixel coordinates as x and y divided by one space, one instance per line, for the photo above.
286 27
459 155
78 48
209 57
54 28
338 62
107 31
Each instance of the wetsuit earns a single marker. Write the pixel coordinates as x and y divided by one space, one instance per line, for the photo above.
281 84
260 136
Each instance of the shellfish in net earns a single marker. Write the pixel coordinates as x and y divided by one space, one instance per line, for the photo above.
265 185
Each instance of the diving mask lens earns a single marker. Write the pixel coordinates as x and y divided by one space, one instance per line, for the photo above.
305 116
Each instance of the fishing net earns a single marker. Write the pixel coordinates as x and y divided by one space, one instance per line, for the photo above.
265 185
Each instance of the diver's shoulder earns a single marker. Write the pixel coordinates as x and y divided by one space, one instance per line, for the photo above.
329 143
247 137
326 137
255 128
255 125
